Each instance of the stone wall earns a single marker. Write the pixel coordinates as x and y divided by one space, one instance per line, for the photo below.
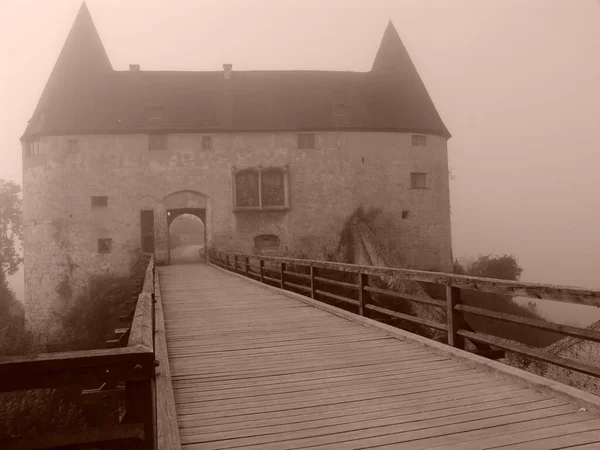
326 184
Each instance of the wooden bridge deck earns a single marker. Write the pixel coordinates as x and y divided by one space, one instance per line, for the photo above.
257 369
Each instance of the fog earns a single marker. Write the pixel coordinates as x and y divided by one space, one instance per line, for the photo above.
517 82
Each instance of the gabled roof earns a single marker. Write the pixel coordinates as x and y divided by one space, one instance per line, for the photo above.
84 95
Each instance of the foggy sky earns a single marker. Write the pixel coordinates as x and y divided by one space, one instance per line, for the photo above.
517 82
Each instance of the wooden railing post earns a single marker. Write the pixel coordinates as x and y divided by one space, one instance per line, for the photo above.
282 270
227 262
235 265
140 409
247 267
363 296
313 274
453 317
261 268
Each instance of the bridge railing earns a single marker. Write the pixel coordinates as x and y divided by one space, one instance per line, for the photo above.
356 286
133 365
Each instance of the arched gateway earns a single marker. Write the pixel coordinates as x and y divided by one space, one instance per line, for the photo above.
158 219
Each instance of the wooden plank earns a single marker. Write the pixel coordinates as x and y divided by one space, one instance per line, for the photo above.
341 416
343 284
167 429
560 361
455 320
565 330
420 430
141 327
337 297
407 317
251 371
330 433
403 296
78 368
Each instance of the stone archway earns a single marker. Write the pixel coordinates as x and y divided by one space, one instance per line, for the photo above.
171 207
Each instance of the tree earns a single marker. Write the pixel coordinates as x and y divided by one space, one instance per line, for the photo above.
503 267
11 227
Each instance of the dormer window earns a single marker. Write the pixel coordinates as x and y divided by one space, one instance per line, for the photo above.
306 140
419 140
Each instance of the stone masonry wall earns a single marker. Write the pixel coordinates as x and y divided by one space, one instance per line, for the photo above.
326 184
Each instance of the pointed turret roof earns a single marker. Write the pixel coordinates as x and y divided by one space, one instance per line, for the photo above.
82 63
398 90
85 96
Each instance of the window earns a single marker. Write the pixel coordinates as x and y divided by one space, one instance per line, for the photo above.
100 200
419 140
157 142
32 149
306 140
260 189
104 245
155 113
272 190
405 214
207 143
73 145
418 181
246 189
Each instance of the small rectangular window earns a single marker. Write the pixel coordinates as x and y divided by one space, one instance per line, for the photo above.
104 245
100 200
419 140
306 140
73 145
155 113
405 214
418 180
32 149
207 142
157 142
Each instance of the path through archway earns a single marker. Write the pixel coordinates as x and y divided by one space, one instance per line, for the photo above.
187 237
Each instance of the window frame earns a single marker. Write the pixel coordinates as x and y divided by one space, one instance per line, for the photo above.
414 185
299 138
207 143
260 170
32 148
416 138
161 138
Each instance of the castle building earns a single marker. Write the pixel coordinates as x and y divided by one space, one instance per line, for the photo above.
270 161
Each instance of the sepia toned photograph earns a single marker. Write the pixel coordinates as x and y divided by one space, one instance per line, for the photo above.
299 224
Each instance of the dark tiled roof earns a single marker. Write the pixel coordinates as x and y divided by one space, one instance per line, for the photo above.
84 95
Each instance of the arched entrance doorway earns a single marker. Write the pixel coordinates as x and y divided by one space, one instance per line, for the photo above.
166 212
187 236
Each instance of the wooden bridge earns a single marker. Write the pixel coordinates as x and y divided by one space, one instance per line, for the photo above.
290 354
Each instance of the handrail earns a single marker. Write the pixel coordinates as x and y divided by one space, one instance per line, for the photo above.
359 295
133 365
566 294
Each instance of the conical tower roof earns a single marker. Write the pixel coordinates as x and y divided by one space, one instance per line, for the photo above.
81 64
398 90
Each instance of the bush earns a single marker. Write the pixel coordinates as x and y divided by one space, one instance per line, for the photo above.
87 325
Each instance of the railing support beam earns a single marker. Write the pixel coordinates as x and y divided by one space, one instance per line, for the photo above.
454 318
